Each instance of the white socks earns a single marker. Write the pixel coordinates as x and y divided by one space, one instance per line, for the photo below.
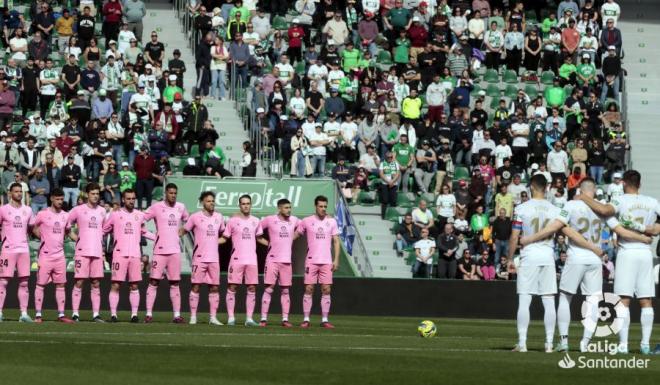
623 316
550 317
646 319
593 313
524 300
564 316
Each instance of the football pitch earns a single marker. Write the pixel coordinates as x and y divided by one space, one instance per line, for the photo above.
361 350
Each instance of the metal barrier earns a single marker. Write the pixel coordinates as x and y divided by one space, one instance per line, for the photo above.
626 122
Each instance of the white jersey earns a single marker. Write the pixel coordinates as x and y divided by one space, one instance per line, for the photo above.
530 218
577 215
634 208
615 190
610 11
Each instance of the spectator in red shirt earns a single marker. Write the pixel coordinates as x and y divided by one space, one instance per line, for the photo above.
145 171
112 12
418 37
296 34
64 143
570 39
167 118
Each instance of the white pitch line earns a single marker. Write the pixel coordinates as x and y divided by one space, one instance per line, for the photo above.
259 347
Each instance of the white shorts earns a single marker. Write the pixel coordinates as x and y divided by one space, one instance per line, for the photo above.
633 273
588 277
537 280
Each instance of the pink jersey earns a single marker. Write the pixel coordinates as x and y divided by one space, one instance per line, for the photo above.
280 234
15 224
90 229
52 228
127 229
168 220
206 231
319 238
243 233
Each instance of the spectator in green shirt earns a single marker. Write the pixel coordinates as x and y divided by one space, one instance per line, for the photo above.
548 22
504 201
350 57
567 72
239 7
397 19
401 49
127 177
479 220
586 73
405 155
555 94
171 89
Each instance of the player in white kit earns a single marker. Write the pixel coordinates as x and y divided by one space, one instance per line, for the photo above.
633 275
583 268
536 273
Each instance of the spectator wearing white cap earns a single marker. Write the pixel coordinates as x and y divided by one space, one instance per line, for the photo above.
615 188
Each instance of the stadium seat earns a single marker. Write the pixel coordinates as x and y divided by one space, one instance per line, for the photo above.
568 89
429 197
511 91
475 91
532 91
157 193
461 173
194 150
493 90
300 68
495 103
491 76
404 199
279 23
394 214
384 57
547 77
510 76
367 198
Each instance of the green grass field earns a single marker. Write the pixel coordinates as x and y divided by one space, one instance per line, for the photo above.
361 350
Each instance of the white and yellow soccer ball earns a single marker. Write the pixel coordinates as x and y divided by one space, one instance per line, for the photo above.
426 329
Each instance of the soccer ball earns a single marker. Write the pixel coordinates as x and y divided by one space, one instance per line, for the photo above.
426 329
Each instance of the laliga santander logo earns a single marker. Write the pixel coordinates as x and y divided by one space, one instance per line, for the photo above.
566 362
606 313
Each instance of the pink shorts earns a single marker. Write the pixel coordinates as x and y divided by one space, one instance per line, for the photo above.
237 272
278 271
88 267
315 273
53 270
205 273
14 261
124 266
162 263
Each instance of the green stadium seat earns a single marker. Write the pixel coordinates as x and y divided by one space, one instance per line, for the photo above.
429 197
384 57
157 193
495 103
609 101
532 91
405 199
547 77
279 23
511 91
300 68
475 91
367 198
493 90
461 173
510 76
394 214
491 76
568 89
194 150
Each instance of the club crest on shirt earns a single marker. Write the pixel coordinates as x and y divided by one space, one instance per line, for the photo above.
320 233
57 228
128 228
210 232
171 220
246 234
92 223
284 232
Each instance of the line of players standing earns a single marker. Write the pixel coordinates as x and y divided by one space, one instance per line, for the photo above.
209 230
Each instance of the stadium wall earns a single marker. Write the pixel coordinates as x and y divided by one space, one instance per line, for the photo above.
358 296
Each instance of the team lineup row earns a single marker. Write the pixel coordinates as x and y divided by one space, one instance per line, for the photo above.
89 222
631 216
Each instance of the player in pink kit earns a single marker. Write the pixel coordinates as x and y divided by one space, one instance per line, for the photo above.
281 230
245 231
320 229
206 226
168 216
88 257
127 227
15 219
50 227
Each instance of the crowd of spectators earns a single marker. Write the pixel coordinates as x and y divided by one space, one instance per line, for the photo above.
449 105
85 97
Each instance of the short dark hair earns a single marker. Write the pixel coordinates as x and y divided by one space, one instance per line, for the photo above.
127 191
204 194
91 187
244 196
15 185
632 178
320 198
57 192
539 182
171 186
283 202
